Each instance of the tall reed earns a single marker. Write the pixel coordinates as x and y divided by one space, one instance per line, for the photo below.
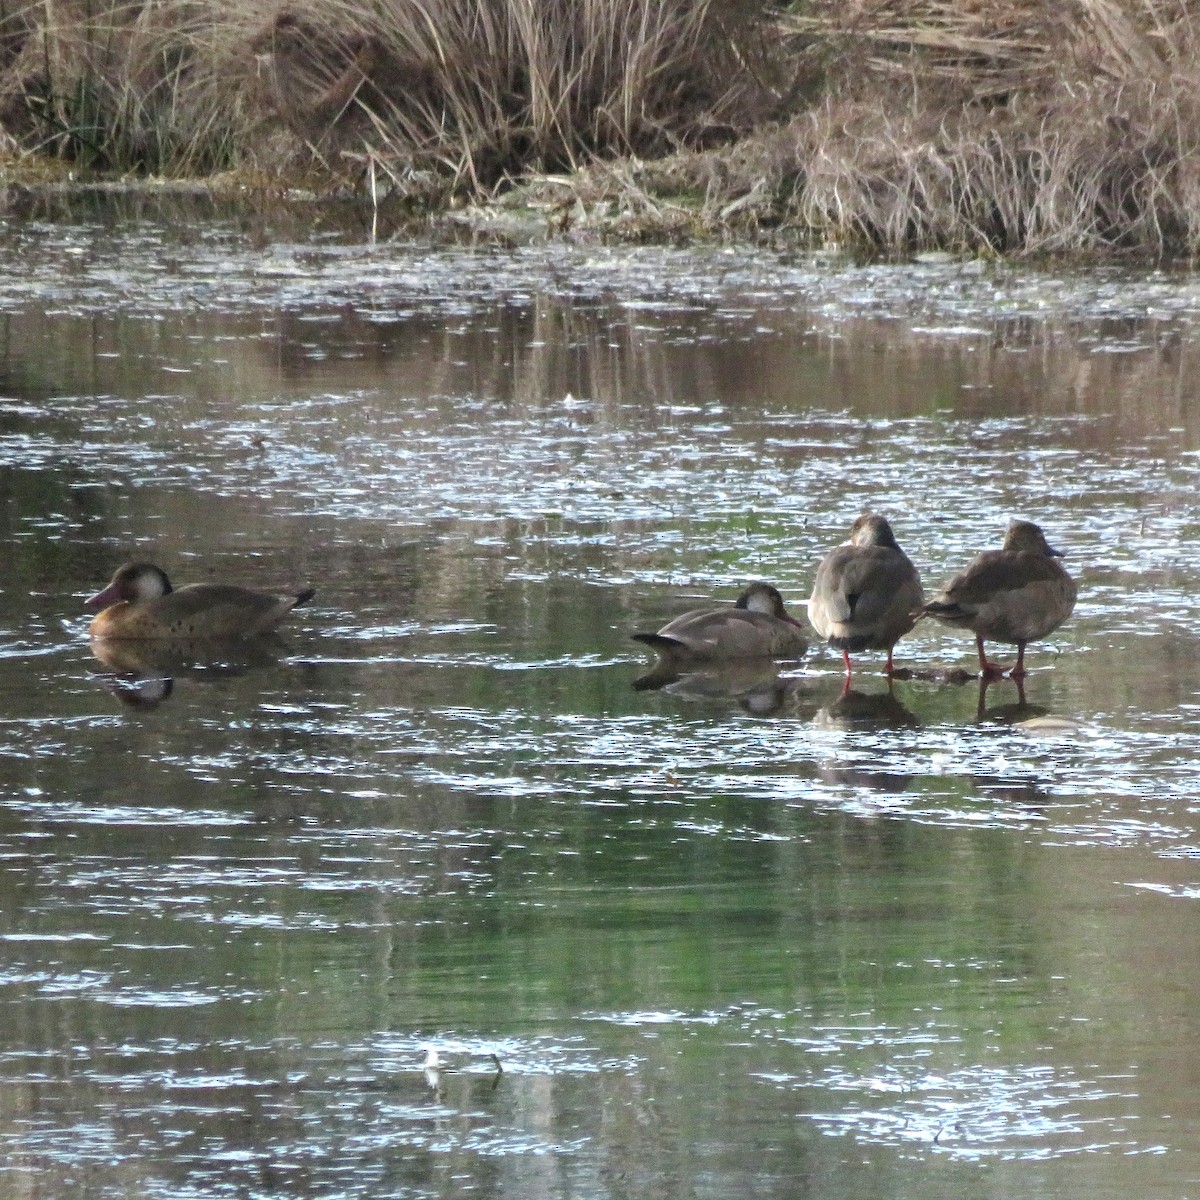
472 88
1028 127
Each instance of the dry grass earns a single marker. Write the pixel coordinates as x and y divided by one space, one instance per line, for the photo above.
124 86
1027 127
1023 128
471 90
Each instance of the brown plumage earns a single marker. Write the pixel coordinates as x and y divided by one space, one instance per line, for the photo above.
140 603
865 591
756 626
1017 594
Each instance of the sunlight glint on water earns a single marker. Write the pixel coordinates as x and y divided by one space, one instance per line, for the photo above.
729 936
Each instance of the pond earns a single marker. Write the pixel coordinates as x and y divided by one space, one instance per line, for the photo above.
747 934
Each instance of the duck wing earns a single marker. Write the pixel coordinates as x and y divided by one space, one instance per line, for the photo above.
728 633
216 610
864 588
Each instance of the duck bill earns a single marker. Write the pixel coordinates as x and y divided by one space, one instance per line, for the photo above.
103 599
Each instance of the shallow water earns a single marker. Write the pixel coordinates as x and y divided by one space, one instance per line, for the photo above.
739 936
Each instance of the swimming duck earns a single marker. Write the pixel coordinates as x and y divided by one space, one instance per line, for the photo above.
757 625
140 603
1017 594
865 592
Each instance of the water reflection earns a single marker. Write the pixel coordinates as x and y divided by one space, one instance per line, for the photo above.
1006 711
436 1064
703 943
1019 789
142 673
138 690
758 687
873 779
857 709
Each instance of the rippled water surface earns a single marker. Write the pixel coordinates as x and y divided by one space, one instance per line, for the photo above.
742 935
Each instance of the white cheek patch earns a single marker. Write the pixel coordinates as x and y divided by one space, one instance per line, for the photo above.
148 586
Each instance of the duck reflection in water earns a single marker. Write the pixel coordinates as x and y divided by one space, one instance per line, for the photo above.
1010 712
755 685
889 783
1024 792
852 709
142 674
864 711
138 691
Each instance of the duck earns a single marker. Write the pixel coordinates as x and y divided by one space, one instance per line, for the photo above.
1018 594
756 625
865 592
140 603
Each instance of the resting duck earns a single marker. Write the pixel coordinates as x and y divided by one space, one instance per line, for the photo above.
1017 594
757 625
865 592
140 603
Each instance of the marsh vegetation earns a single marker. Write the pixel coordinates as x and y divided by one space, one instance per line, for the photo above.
904 125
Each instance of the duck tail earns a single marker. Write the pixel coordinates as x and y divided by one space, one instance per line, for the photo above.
304 597
942 610
657 641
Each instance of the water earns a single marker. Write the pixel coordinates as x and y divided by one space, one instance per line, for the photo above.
740 936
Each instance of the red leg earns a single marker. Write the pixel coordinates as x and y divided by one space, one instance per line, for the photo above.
987 670
846 660
888 669
981 705
1018 672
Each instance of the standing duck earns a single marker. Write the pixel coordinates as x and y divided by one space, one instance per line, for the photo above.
1017 594
865 592
756 626
140 603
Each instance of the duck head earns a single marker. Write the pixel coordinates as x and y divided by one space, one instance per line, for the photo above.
1027 537
763 598
132 582
872 530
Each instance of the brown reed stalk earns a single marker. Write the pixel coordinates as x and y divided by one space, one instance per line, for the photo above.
476 88
1025 127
